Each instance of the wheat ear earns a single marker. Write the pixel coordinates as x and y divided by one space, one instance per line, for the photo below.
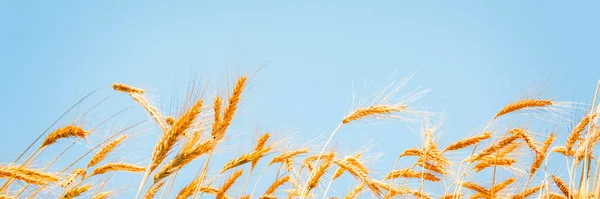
523 104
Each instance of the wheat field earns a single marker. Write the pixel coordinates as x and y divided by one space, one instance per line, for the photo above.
510 156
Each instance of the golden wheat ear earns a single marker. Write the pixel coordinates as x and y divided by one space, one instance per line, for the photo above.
100 155
69 131
523 104
102 195
468 141
117 167
153 190
75 192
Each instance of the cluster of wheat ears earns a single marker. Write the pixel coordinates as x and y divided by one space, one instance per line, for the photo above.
305 173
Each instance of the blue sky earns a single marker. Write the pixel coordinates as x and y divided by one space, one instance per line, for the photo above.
477 56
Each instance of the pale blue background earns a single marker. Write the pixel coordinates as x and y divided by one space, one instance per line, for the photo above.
477 56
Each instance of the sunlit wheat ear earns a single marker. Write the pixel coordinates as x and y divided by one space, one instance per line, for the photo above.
260 144
373 111
530 142
183 158
117 167
409 173
71 178
475 187
562 186
527 192
468 141
65 132
276 184
452 196
313 181
168 140
500 186
551 195
267 197
28 178
539 157
308 160
138 97
491 161
295 192
4 196
246 158
36 174
355 192
411 152
431 167
562 150
515 134
126 88
576 133
231 108
75 192
102 195
286 155
217 116
289 164
524 104
153 190
339 171
228 183
356 164
100 155
189 189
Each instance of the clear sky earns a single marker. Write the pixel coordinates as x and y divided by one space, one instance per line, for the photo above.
476 55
